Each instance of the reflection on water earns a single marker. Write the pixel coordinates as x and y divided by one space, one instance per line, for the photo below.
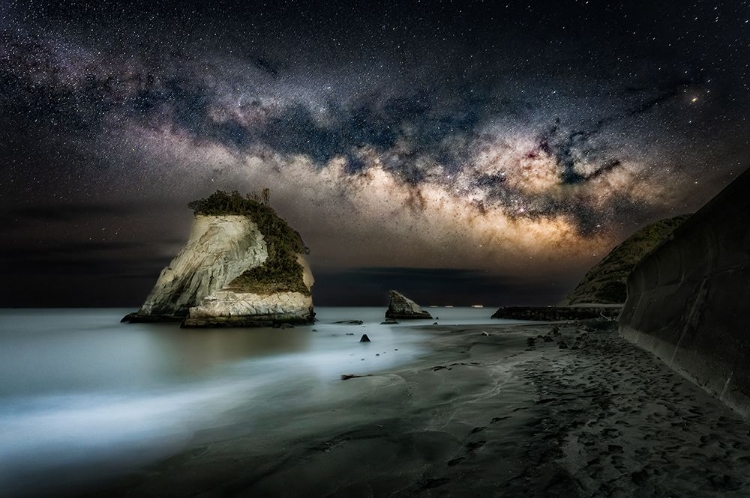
191 351
79 390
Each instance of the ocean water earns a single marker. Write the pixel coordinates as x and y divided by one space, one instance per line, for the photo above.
84 397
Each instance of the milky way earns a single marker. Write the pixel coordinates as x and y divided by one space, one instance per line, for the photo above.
514 143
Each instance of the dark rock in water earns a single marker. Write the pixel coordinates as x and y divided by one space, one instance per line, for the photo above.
547 338
562 345
556 313
688 299
401 307
349 322
364 338
389 322
352 376
350 333
530 341
605 283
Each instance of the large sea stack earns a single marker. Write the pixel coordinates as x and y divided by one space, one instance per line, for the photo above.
688 300
242 266
401 307
605 283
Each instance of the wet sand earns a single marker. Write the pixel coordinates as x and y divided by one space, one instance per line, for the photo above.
486 413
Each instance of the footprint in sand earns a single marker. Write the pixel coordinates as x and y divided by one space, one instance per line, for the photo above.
473 446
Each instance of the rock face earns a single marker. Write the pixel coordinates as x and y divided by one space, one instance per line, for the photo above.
688 300
220 249
235 270
401 307
230 307
605 283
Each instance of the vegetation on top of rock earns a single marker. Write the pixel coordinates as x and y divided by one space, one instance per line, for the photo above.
281 272
606 282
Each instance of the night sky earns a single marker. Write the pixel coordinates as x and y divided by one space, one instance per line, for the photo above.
461 151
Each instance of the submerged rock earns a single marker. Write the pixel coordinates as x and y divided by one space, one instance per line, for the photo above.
401 307
364 338
242 266
687 300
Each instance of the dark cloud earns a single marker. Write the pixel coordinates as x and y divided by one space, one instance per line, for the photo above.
439 286
267 66
70 212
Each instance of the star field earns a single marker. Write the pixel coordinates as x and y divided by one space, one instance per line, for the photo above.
515 142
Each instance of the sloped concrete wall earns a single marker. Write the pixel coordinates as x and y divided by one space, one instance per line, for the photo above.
689 299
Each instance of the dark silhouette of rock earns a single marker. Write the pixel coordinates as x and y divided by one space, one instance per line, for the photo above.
352 376
605 283
389 322
401 307
349 322
688 299
364 338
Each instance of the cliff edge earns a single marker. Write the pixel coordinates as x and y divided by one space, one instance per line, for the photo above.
687 300
242 266
605 282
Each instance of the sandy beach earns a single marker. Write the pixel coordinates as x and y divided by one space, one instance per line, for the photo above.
490 411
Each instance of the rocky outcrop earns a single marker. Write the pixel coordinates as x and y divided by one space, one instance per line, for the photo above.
687 300
233 308
242 266
219 249
401 307
605 283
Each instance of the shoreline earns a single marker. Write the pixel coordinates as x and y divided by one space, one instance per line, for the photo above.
479 414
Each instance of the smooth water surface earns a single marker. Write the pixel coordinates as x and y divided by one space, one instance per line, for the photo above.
80 390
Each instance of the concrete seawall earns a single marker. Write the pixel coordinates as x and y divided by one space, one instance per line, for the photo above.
688 300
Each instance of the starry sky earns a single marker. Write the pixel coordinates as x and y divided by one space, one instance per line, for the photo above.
460 151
